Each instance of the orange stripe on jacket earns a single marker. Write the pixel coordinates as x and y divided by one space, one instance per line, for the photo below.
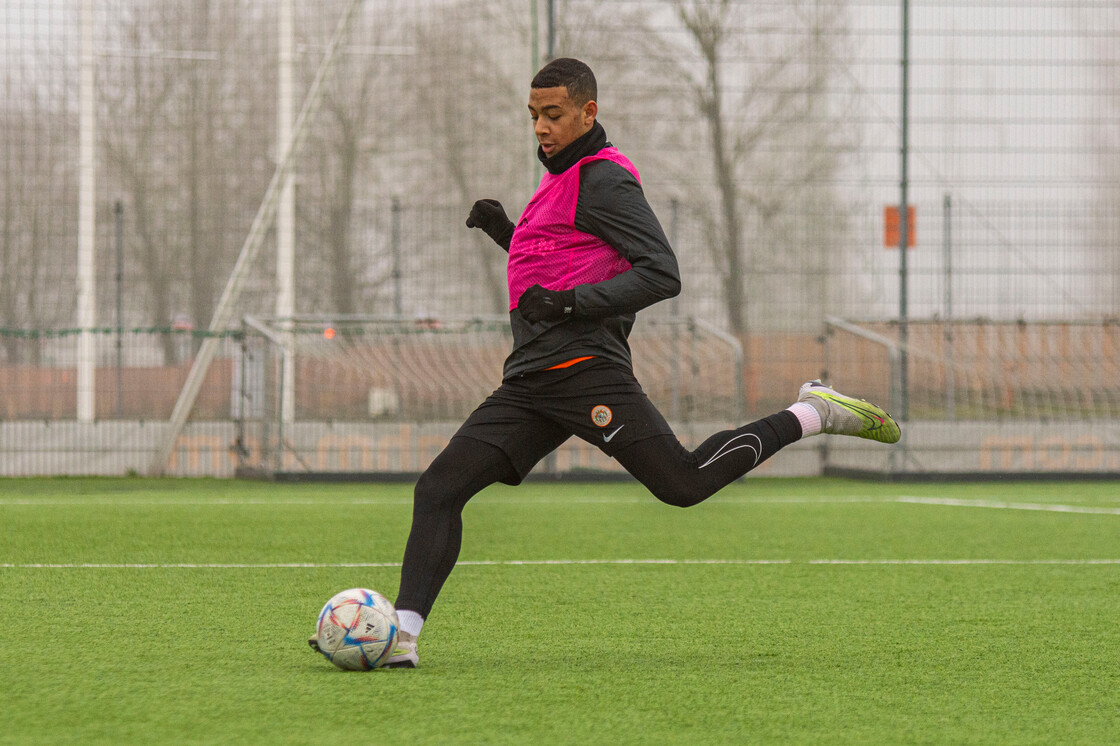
570 363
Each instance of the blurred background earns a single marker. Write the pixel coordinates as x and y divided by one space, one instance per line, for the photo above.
231 232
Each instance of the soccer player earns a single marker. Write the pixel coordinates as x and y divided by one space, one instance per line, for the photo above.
585 256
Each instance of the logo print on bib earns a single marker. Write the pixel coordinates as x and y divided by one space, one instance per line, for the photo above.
601 415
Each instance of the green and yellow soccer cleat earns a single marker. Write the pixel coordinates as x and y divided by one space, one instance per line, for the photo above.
843 415
403 656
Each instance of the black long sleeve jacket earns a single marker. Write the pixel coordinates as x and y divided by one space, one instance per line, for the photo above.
612 206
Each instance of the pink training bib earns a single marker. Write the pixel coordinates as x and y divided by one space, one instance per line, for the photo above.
546 248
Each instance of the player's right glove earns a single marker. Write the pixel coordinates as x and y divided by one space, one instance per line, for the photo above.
490 216
538 304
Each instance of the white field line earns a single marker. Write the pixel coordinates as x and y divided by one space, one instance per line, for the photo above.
491 563
999 505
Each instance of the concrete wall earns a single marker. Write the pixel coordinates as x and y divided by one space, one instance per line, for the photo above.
208 449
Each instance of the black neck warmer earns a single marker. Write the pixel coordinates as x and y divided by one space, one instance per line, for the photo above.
589 143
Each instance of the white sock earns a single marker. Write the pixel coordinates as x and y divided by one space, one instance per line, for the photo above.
808 416
411 622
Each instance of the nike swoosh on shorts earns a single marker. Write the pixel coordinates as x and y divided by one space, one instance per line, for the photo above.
607 438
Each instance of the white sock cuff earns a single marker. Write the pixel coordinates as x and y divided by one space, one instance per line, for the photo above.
410 621
808 416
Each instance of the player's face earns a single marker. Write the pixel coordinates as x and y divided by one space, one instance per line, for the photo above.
557 120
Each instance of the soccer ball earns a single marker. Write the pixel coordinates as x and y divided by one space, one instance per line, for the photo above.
357 629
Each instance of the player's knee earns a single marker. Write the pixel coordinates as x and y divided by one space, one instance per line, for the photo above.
679 495
432 493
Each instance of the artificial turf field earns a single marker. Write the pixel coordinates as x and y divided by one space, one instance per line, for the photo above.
780 611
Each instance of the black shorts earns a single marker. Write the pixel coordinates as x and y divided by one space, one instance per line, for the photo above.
531 415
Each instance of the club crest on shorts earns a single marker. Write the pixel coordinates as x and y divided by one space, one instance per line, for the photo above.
601 415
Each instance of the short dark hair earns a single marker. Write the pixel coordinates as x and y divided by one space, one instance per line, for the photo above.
573 75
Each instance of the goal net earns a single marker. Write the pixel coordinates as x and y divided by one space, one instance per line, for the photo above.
377 397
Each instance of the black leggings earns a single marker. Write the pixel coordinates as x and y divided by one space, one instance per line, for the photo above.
673 474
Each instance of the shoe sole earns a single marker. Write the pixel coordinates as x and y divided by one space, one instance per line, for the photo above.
878 424
403 657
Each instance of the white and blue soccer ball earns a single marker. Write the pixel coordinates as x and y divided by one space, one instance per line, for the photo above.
357 629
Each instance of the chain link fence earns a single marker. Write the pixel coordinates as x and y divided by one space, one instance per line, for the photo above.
140 140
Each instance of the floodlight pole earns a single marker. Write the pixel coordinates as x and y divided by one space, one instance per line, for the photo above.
87 221
675 312
550 47
118 212
285 214
395 247
535 167
904 219
950 362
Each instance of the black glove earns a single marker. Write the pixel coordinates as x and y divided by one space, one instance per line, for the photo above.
537 304
489 215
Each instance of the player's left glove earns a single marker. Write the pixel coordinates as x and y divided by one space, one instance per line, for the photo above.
537 304
490 216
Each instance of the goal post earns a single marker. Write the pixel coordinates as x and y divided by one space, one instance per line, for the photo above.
380 397
986 398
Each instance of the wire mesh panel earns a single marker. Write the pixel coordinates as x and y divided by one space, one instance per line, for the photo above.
138 377
184 165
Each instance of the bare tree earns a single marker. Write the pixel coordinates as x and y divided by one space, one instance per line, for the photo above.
339 168
182 151
339 179
36 185
740 108
469 113
764 100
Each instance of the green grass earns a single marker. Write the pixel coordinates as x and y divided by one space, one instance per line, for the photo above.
1023 650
